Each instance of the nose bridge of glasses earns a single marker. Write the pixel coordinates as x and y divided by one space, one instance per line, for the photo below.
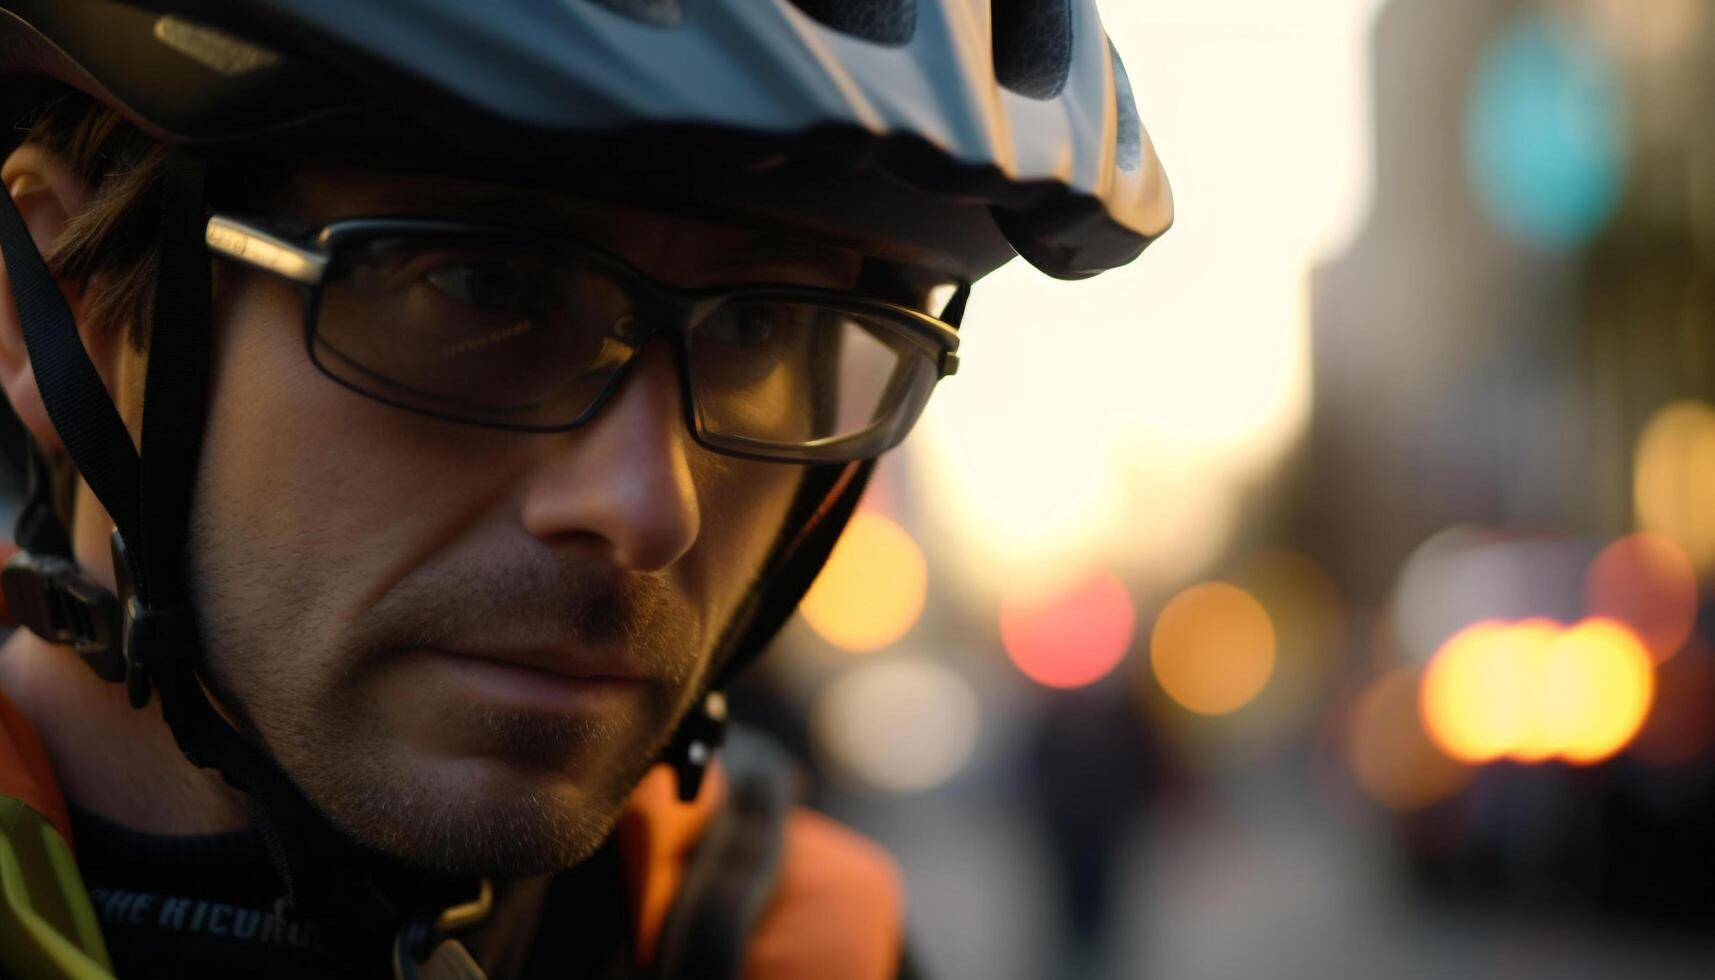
652 307
652 313
650 316
652 382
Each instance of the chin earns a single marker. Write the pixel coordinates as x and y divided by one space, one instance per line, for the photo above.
479 818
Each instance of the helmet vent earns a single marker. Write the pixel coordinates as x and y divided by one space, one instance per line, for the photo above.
1033 46
656 13
1128 135
890 22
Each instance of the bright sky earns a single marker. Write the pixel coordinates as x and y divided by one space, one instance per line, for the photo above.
1120 420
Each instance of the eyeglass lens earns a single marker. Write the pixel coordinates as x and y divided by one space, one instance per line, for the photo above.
519 335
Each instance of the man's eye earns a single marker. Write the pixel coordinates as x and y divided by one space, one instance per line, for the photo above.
487 287
752 327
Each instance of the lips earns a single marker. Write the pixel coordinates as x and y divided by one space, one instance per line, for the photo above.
578 664
542 682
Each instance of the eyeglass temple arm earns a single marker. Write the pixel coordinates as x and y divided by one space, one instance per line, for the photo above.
251 245
954 311
952 314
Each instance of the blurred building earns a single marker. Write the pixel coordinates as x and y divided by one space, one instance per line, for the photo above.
1494 351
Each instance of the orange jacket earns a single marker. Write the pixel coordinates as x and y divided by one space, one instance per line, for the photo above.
835 914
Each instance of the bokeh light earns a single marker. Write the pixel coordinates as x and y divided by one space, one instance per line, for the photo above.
896 726
1597 690
1647 582
1073 637
871 592
1532 691
1530 653
1213 648
1392 759
1545 132
1471 700
1438 593
1466 574
1674 478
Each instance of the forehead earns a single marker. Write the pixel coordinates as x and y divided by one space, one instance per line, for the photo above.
679 249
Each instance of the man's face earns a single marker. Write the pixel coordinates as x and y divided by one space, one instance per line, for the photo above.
466 645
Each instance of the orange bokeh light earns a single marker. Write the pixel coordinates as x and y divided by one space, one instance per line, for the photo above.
1648 582
1530 645
871 591
1597 691
1213 648
1674 474
1072 638
1469 698
1532 691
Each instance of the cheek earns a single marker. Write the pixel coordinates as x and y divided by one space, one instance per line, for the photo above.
325 494
745 506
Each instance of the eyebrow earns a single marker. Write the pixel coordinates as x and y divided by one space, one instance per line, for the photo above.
555 215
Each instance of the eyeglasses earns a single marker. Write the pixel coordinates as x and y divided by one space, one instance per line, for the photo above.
511 328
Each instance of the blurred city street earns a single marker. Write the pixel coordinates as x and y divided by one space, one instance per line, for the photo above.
1327 594
1258 880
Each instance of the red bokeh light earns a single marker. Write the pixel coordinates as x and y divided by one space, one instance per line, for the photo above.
1072 638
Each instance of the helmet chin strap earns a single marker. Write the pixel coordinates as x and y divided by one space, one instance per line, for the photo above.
692 751
824 504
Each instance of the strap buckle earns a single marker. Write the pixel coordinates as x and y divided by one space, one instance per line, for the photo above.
140 627
424 949
51 597
692 750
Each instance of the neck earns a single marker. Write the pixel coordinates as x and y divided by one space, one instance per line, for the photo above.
114 760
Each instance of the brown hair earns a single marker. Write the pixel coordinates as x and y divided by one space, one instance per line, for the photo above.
110 247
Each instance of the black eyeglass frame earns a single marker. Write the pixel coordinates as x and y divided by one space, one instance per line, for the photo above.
308 259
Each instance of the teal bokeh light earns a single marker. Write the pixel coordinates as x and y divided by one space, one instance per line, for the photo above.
1544 133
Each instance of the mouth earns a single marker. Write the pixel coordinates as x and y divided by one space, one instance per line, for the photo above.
531 682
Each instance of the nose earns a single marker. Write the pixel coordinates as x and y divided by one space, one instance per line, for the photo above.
623 478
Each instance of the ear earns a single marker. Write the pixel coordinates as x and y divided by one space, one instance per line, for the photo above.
47 194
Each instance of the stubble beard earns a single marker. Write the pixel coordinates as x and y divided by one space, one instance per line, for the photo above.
551 787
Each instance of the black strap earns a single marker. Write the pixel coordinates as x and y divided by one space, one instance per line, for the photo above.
88 424
175 397
823 505
165 637
148 501
736 866
829 496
